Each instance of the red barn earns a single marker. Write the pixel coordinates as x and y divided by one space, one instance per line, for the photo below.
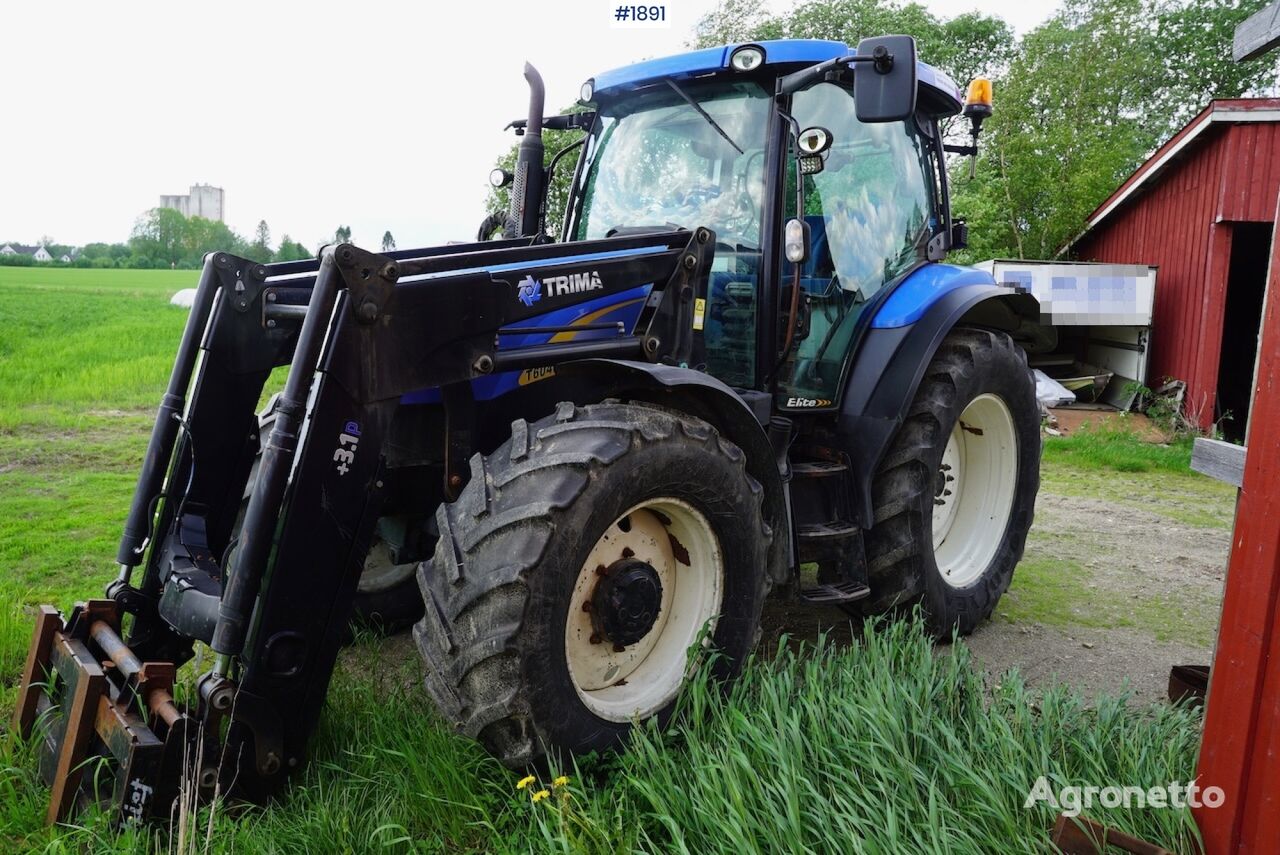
1202 210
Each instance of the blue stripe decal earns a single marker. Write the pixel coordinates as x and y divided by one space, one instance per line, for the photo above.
627 306
915 294
546 262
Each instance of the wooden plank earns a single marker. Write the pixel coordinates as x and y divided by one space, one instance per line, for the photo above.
1258 34
1221 460
1243 707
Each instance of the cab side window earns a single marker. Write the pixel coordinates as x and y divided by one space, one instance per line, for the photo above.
870 213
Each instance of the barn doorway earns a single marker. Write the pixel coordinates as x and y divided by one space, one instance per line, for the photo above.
1241 319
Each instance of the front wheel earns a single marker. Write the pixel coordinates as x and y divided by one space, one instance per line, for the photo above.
584 561
955 494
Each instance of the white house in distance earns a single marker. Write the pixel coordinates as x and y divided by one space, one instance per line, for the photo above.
39 253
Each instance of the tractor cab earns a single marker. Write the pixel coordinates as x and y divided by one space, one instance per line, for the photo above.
747 139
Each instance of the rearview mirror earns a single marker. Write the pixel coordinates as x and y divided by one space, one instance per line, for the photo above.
885 90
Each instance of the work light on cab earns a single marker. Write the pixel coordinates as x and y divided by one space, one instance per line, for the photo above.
747 58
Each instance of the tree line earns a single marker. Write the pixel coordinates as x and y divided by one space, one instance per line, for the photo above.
164 238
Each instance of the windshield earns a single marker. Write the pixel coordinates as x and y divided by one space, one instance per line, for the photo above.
656 160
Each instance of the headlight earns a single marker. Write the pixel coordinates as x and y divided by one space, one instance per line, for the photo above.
747 58
500 177
587 92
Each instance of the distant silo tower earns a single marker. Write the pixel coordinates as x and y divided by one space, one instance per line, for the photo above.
204 200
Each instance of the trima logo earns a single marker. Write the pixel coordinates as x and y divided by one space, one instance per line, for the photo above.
573 283
529 290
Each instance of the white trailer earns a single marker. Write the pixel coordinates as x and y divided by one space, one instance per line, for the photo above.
1102 313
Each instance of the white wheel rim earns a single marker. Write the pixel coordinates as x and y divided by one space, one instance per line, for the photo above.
380 573
973 490
677 541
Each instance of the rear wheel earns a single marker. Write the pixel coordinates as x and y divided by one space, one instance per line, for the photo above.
578 569
955 494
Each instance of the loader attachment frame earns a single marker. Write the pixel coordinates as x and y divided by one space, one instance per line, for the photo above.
271 594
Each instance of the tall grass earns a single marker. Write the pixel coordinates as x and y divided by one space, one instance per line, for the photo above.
889 746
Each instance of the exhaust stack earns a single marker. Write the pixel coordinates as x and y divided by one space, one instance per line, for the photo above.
525 213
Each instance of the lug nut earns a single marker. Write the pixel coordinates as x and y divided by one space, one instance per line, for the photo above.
595 638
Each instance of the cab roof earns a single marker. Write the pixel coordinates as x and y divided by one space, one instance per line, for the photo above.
940 92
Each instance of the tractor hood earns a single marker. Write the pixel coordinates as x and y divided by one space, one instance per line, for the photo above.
939 94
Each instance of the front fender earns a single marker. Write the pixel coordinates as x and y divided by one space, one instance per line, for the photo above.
704 397
892 360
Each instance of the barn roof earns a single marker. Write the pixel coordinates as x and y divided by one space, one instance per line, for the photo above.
1235 111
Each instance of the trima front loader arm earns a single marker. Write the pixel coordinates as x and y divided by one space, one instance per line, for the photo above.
269 586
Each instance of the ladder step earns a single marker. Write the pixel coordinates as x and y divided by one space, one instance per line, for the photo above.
825 531
817 469
835 595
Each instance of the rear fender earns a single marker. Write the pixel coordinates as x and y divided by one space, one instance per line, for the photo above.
704 397
891 363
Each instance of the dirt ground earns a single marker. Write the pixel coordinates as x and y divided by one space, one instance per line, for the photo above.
1068 420
1122 579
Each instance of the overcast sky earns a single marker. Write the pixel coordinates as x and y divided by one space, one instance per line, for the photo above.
310 115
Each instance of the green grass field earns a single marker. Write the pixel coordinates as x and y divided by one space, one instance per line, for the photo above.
883 746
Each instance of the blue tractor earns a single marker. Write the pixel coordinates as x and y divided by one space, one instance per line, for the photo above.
742 370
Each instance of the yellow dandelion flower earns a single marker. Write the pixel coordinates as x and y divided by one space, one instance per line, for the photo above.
540 795
525 781
561 781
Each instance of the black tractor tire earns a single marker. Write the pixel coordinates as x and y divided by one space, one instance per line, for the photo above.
385 609
902 563
513 546
491 227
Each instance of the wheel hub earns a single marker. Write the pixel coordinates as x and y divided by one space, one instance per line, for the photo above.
626 601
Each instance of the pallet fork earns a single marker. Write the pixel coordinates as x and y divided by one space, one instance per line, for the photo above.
112 705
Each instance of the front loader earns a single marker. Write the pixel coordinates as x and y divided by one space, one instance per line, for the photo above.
741 370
